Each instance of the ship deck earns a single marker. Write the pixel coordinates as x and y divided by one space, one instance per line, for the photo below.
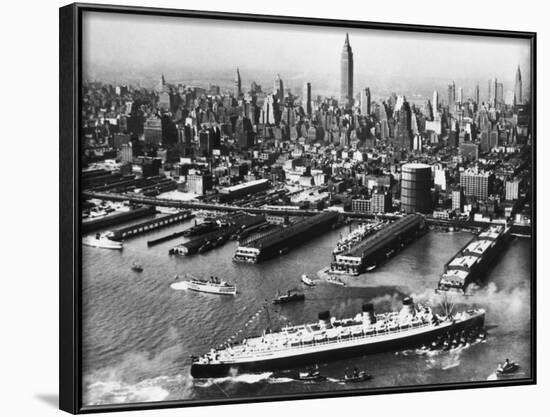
310 338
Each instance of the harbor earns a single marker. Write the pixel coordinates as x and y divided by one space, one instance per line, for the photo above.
215 320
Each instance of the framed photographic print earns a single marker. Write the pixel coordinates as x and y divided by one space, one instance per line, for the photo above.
258 208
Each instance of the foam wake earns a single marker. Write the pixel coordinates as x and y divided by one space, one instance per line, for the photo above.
119 391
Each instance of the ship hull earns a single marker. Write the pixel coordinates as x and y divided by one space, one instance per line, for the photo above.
184 285
102 244
215 370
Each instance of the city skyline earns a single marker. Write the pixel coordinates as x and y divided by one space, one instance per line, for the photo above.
140 47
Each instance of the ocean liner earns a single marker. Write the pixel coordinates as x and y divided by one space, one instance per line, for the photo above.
331 339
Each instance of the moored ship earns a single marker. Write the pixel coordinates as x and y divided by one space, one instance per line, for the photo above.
331 339
213 286
102 241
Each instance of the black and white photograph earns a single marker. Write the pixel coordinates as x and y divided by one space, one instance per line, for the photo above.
272 210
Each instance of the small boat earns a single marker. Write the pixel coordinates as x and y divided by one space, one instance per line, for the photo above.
355 377
289 297
336 280
507 368
137 267
307 280
311 375
284 251
371 268
212 286
102 241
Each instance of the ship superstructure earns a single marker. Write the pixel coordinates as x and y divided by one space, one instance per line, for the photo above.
214 286
332 338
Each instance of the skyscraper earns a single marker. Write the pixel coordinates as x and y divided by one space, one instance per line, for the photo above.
492 92
435 101
403 129
477 94
365 101
278 89
238 84
518 98
306 99
451 95
346 75
499 99
460 95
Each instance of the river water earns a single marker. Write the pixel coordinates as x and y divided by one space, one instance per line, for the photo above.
138 333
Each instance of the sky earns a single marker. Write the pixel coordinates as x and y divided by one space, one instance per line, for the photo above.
121 47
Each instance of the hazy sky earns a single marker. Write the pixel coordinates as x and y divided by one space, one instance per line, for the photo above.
132 46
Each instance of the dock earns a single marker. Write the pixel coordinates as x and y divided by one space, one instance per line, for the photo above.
470 263
380 246
280 241
92 225
150 225
227 227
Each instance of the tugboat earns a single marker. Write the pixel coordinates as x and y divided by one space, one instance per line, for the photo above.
311 375
506 368
137 267
307 280
355 376
289 297
212 286
102 241
336 280
331 338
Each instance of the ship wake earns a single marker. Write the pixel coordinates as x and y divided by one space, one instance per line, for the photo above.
267 377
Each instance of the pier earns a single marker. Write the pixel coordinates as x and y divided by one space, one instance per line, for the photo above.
227 227
92 225
280 241
379 246
150 225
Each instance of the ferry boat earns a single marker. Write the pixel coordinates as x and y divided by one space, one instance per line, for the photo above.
102 241
307 280
332 339
214 286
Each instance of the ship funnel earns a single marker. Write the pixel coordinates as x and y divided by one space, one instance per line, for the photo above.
368 314
408 307
324 319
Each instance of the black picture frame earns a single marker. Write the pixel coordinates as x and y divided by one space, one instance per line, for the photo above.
70 297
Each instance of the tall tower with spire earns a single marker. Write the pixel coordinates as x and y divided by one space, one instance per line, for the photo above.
238 84
346 75
518 99
278 89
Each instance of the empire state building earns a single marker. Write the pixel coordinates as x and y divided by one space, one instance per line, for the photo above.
346 75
